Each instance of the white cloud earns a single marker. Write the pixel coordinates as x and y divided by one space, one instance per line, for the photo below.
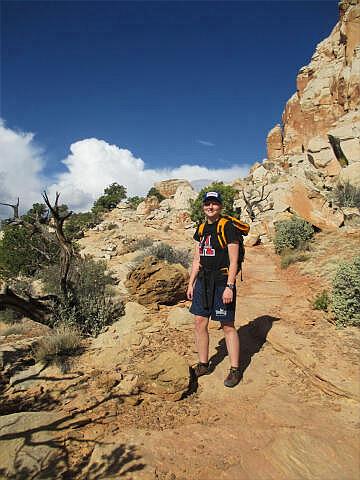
91 166
206 143
21 164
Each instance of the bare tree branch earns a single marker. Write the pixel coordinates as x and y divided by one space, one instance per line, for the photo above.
250 204
14 207
66 248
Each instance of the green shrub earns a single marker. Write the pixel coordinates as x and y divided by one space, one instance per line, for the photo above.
134 202
289 257
25 252
346 195
113 194
153 192
322 301
65 341
292 234
77 223
89 308
345 297
228 194
163 251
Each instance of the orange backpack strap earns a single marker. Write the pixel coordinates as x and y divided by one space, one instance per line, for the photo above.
201 229
221 231
242 226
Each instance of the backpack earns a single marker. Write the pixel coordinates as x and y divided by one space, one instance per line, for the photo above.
242 228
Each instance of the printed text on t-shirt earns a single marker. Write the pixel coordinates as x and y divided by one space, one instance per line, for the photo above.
205 248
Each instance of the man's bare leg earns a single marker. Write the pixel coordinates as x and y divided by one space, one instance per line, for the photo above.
232 343
202 338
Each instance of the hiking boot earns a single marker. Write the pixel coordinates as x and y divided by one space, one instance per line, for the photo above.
201 369
233 378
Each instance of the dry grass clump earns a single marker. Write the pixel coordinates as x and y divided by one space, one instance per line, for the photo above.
293 256
140 244
64 342
346 195
164 251
14 329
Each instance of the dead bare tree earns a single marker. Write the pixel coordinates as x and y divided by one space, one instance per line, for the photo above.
252 203
40 308
14 207
66 248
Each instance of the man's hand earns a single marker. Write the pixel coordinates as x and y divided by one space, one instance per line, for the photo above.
228 295
190 292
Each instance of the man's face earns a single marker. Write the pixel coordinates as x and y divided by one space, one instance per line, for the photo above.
212 209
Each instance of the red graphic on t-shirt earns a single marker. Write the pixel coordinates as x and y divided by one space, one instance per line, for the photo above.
205 248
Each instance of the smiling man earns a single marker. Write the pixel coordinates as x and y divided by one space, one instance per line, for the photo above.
212 286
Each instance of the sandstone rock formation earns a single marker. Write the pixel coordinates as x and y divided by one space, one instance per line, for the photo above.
167 376
182 197
328 88
168 188
29 447
156 281
274 142
147 206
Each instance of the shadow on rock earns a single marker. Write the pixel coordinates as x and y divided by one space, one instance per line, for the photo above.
252 337
32 446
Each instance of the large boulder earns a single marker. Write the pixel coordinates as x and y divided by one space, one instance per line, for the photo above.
168 188
147 206
182 197
156 281
167 376
312 206
29 446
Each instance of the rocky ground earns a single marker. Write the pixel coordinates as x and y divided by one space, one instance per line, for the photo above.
125 408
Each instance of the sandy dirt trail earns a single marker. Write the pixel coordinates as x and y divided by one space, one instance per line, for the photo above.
285 420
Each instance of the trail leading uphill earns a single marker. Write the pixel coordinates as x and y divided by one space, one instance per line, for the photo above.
295 415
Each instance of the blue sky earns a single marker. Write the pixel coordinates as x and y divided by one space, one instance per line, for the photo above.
197 83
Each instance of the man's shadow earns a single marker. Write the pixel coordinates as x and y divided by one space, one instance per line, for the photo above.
252 337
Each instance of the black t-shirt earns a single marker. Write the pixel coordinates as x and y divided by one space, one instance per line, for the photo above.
212 256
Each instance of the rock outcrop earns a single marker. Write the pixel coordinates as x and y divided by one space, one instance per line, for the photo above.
168 188
274 142
167 376
156 281
29 445
147 206
329 86
326 101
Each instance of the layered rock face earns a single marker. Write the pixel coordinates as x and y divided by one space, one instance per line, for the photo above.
168 188
327 90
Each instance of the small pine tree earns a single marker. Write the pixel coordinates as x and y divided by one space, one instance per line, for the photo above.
113 194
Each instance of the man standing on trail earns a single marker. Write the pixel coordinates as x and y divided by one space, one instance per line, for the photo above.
212 287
